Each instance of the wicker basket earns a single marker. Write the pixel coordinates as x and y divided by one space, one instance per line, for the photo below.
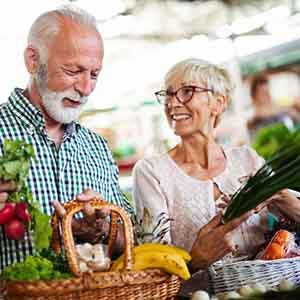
125 284
231 276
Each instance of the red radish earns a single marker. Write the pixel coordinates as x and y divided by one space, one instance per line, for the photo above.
14 229
22 212
7 213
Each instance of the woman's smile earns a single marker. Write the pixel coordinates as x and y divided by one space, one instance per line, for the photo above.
180 116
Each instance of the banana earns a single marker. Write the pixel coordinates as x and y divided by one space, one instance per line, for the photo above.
169 262
151 256
165 248
118 263
166 261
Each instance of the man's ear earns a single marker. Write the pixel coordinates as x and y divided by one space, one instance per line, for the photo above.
31 57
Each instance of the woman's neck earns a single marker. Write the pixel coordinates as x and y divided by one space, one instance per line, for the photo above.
204 152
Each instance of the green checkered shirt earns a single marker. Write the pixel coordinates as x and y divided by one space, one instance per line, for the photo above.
82 161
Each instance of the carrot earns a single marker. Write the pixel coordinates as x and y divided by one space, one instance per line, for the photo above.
278 245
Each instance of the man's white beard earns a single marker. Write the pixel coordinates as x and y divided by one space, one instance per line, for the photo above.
53 104
53 101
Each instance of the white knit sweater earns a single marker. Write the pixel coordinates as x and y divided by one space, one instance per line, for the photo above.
161 185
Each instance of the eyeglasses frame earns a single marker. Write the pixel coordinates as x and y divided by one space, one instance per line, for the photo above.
194 87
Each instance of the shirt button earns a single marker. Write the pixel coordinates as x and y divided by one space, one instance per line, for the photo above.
31 129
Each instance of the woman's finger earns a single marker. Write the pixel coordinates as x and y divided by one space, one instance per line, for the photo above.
233 224
212 224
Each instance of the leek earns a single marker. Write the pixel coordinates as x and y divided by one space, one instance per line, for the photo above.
280 171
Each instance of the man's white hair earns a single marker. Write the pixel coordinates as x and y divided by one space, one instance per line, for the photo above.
47 25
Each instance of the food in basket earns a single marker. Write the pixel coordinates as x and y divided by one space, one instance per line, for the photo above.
153 255
92 257
21 212
128 283
279 172
279 245
286 290
200 295
36 267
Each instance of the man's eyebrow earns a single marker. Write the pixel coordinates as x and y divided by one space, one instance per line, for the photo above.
80 67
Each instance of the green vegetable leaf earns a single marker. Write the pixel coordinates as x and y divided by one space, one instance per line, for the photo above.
34 267
14 166
41 228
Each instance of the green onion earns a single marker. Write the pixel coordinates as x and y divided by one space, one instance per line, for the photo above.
281 171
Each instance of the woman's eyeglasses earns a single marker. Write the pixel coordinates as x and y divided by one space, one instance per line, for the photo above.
183 94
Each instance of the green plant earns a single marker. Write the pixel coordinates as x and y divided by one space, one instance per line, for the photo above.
269 139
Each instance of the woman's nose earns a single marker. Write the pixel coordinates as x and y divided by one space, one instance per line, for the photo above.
172 101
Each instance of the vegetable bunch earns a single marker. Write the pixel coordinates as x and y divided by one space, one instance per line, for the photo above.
281 171
21 211
34 267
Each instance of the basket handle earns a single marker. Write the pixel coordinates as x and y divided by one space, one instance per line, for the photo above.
72 207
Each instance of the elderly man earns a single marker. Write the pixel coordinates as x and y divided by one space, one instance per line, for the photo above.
64 59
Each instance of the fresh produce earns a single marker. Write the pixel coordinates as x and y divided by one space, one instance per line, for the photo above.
7 212
278 246
281 171
148 230
14 229
59 261
21 212
119 263
286 291
34 268
270 139
165 257
200 295
92 257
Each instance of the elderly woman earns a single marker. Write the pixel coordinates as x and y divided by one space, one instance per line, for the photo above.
193 182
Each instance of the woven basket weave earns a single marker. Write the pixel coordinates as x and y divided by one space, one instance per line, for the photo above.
114 285
229 277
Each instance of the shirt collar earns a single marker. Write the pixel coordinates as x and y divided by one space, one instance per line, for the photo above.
30 115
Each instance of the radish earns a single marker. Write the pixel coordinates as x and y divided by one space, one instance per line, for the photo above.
7 213
14 229
22 212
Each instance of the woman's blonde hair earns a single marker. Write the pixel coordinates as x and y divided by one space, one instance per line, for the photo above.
209 75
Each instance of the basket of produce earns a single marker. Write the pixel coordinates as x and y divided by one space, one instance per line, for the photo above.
286 290
148 271
280 171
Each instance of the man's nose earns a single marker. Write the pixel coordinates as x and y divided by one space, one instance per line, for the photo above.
84 85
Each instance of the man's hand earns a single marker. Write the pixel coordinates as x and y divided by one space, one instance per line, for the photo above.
214 241
92 228
5 188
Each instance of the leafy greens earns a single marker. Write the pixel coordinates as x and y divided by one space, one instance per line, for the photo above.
14 166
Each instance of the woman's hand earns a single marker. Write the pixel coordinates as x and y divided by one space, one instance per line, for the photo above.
5 188
214 241
287 204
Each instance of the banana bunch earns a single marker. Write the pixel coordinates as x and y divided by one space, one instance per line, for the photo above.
158 256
